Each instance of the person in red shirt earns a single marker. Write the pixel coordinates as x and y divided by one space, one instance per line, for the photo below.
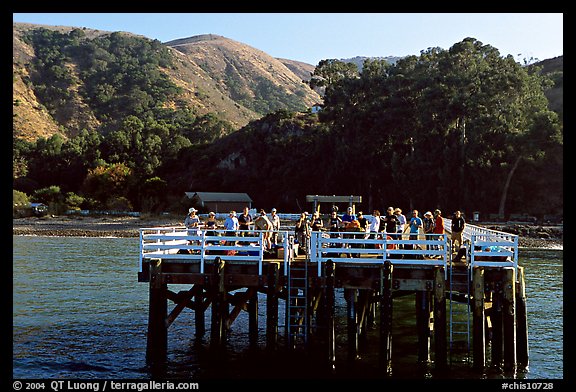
439 228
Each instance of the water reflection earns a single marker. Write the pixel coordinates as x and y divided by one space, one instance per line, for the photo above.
78 312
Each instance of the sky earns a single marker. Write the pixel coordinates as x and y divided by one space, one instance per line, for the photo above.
312 37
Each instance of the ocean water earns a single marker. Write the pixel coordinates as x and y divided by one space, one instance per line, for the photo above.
80 313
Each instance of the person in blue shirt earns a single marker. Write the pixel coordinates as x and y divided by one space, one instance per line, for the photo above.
231 225
415 225
348 217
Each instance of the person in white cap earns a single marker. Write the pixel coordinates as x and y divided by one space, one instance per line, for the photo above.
192 220
275 219
429 225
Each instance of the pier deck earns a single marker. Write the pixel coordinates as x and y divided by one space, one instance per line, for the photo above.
228 271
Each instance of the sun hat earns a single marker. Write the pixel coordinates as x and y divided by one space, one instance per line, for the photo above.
211 213
191 210
428 213
273 209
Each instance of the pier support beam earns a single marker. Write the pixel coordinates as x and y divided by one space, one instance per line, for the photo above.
253 318
199 312
219 305
351 296
496 318
423 325
329 311
157 343
509 320
521 321
272 307
440 318
364 311
478 320
386 316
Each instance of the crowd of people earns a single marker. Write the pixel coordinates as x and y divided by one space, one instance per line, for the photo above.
393 224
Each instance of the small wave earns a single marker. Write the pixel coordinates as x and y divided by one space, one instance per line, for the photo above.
544 247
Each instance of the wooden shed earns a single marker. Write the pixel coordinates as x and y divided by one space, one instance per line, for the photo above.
219 202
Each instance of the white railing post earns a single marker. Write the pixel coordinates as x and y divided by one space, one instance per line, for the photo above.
140 268
202 251
261 243
288 249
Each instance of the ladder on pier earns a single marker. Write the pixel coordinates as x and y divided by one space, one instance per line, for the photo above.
297 319
460 308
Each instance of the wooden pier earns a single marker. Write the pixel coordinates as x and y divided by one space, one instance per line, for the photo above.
472 300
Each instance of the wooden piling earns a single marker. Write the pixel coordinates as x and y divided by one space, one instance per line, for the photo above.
386 316
496 319
330 303
272 307
373 308
509 319
157 342
423 325
478 319
364 310
219 305
440 318
521 321
253 318
351 296
199 312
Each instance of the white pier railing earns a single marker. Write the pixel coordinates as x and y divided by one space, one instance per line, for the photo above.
484 247
195 245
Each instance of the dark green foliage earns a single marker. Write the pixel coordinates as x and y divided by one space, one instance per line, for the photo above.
444 129
120 74
462 128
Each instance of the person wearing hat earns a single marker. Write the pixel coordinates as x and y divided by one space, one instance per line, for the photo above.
231 225
275 219
401 222
302 231
349 216
192 220
429 225
211 224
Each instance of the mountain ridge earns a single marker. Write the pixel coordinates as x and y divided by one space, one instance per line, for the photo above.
216 74
239 92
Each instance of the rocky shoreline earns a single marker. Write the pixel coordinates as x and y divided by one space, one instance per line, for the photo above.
530 236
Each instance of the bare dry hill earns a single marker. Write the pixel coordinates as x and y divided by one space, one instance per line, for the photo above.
249 76
217 75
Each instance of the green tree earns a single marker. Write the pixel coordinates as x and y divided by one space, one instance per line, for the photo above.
108 182
153 194
19 199
330 71
439 126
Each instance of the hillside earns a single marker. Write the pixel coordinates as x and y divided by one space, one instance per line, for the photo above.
554 68
247 75
300 69
215 75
